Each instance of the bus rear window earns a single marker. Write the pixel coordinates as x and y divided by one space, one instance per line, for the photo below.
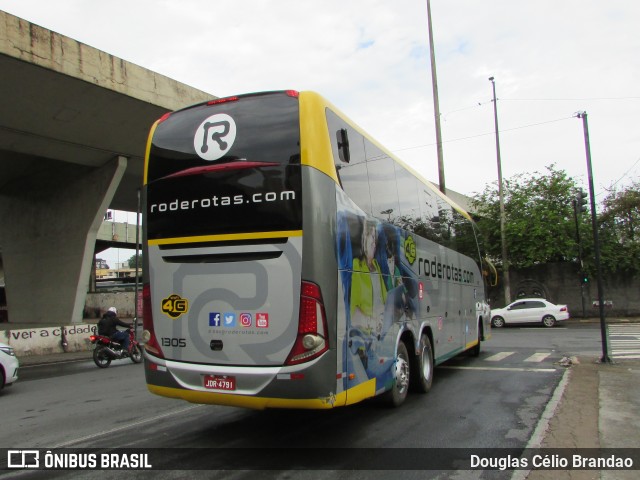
231 167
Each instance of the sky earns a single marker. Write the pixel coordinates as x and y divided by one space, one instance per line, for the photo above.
550 59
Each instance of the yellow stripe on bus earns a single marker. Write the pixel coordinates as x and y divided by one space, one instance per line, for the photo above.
221 238
245 401
471 344
147 151
360 392
351 396
314 134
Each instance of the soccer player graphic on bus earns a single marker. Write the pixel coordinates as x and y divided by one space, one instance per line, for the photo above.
368 288
381 291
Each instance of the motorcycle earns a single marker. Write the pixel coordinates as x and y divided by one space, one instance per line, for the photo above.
107 350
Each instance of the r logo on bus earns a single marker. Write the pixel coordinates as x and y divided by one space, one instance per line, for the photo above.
214 137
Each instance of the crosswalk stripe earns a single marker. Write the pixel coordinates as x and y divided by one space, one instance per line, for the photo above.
499 356
625 341
499 369
537 357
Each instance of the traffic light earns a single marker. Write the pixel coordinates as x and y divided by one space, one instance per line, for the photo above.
584 278
581 201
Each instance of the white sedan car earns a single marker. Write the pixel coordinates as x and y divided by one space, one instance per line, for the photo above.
8 365
529 310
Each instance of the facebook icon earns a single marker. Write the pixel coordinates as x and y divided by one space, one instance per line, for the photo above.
214 319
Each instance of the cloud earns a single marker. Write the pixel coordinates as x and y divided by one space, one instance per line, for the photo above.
371 59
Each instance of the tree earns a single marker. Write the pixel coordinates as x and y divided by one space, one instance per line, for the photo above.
539 225
132 261
618 230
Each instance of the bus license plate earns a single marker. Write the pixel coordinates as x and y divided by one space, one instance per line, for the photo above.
216 382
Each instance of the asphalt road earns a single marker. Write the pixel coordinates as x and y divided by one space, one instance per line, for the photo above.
494 401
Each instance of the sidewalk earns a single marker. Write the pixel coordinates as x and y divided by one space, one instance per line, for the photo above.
599 408
31 360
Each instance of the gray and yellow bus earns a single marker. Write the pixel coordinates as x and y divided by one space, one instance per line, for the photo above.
291 261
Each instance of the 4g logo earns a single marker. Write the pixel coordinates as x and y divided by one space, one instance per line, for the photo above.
410 249
175 305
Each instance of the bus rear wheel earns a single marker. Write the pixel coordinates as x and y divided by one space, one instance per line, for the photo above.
475 350
422 374
401 372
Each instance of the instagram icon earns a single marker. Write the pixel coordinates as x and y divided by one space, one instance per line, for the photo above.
246 319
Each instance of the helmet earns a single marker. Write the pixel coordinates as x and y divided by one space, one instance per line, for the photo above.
113 309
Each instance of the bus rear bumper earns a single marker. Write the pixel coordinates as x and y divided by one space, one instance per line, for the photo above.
244 401
254 387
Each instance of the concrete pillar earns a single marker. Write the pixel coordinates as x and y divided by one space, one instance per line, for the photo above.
49 222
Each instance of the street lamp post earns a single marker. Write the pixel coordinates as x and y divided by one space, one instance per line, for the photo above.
596 242
503 237
579 206
436 104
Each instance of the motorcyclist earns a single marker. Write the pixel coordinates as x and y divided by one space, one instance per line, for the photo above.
108 324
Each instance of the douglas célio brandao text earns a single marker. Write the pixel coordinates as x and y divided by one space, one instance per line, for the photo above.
551 461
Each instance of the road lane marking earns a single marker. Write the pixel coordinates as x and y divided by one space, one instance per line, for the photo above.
537 357
499 356
501 369
543 329
125 427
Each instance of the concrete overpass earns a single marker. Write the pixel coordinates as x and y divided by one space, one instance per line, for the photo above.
73 132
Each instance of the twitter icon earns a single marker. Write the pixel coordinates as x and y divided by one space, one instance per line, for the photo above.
229 319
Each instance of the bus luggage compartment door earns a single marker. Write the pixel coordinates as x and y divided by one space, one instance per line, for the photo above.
229 305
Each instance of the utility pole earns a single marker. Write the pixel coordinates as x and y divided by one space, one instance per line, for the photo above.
580 206
436 104
503 236
596 242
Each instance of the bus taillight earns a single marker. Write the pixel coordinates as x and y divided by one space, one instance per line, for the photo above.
164 117
222 100
312 340
148 335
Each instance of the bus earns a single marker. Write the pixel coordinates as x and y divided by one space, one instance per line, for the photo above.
291 261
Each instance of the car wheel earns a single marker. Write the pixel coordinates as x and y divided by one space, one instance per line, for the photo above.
1 378
548 321
497 322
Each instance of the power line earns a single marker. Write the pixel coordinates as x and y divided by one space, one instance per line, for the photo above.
625 174
571 99
484 134
480 104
